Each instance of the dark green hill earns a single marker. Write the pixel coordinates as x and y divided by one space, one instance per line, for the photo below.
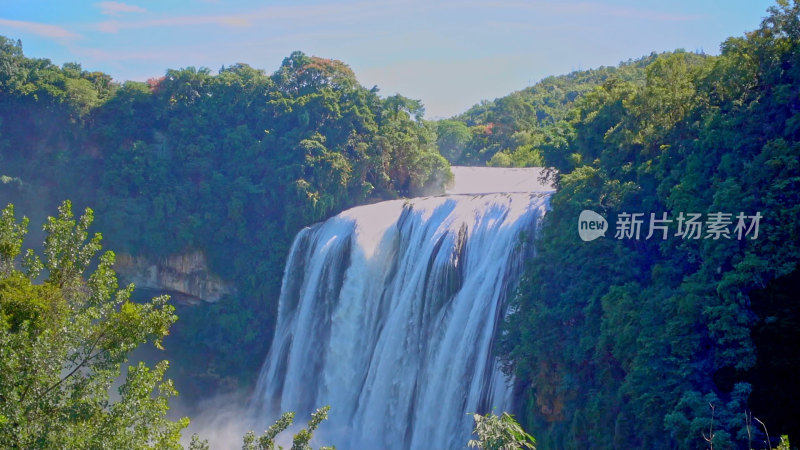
637 342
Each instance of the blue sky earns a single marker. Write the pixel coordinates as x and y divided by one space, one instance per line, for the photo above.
449 54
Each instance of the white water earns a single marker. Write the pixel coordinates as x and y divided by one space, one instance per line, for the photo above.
388 313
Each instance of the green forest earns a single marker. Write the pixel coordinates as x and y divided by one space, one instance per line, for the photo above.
614 343
232 164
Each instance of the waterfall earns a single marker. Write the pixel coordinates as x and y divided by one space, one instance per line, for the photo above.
388 313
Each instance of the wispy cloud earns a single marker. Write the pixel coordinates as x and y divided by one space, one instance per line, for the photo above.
114 26
118 8
40 29
589 8
333 13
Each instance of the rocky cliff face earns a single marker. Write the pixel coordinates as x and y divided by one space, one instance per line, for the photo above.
186 276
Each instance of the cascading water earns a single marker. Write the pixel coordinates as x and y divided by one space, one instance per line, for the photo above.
388 313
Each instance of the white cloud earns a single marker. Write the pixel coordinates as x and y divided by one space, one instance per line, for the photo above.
338 14
235 21
118 8
40 29
588 9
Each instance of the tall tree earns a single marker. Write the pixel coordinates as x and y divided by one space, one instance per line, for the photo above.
64 341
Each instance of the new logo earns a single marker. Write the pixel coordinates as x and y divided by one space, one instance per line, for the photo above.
591 225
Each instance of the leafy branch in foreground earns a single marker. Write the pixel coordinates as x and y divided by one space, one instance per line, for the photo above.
63 343
500 433
301 439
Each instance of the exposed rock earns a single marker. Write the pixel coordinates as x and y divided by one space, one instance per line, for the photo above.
185 275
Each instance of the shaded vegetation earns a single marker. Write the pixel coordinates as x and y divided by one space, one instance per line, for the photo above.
626 343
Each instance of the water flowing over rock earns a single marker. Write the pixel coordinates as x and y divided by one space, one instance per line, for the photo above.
388 312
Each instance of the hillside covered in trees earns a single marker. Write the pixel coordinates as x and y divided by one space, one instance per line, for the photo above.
645 343
232 164
510 131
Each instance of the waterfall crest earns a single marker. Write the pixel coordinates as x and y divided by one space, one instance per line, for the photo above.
388 313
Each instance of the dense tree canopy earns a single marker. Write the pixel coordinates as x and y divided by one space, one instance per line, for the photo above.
626 342
511 131
232 164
